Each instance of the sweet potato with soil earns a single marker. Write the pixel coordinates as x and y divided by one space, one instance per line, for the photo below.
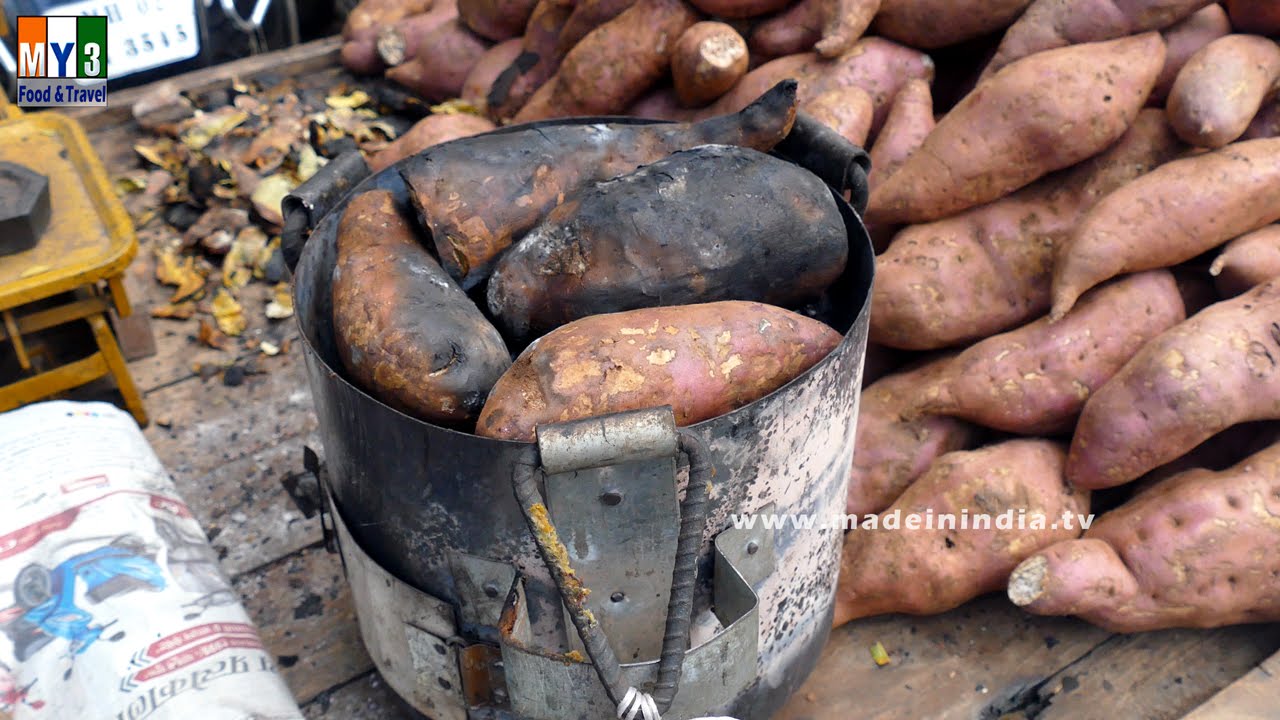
909 122
399 43
1255 16
1051 24
661 103
405 332
929 24
794 30
844 22
988 269
1043 113
361 57
427 132
475 88
736 9
495 20
1184 39
703 360
1220 89
477 198
773 235
615 63
537 62
1247 261
1171 215
895 443
1215 370
370 16
1195 550
444 59
925 571
709 58
1034 380
588 15
847 110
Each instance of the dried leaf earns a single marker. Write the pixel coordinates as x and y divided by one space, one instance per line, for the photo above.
456 106
182 273
228 313
239 264
878 654
175 311
209 336
160 153
268 195
263 258
205 127
309 163
281 305
269 349
128 184
353 100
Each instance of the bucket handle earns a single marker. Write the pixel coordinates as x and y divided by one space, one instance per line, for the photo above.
621 437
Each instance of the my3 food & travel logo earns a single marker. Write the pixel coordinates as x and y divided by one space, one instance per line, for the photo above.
62 61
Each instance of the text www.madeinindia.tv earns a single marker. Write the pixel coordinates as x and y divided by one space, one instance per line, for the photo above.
928 520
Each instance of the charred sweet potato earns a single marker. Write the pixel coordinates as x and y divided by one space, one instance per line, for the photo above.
929 24
921 570
405 332
1220 89
430 130
708 59
703 360
478 197
1195 550
537 61
773 234
1042 113
1247 261
1184 39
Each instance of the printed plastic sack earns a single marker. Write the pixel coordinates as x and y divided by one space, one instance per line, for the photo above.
112 606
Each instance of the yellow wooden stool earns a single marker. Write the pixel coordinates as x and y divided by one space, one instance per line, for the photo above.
80 259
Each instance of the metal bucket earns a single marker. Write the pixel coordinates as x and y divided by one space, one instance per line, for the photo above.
455 604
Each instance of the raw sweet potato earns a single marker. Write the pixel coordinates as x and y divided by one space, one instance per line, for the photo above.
444 58
495 20
1247 261
661 103
1195 550
1196 379
924 569
703 360
987 269
709 58
1266 123
909 122
929 24
615 63
399 43
843 23
1170 215
478 197
475 88
1034 380
588 15
1184 39
361 57
1220 89
1043 113
895 443
739 8
847 110
1255 16
370 16
772 234
537 62
404 330
794 30
1050 24
430 130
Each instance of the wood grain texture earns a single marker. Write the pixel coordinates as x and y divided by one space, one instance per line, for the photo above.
1252 697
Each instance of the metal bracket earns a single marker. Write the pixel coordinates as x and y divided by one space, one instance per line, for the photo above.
482 587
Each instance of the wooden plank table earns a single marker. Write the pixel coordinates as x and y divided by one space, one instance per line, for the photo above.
229 447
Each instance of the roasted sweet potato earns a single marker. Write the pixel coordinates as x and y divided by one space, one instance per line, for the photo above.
895 442
774 234
1195 550
1043 113
739 8
929 24
399 43
361 57
430 130
1034 380
404 330
661 103
847 110
615 63
1170 215
1214 370
1220 89
537 62
476 86
709 58
370 16
1184 39
587 16
1050 24
495 20
444 59
922 570
909 122
477 198
843 23
1247 261
987 269
1255 16
703 360
794 30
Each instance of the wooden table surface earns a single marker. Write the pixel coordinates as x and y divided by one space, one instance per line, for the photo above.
228 448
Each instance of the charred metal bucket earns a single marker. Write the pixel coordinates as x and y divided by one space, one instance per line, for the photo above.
455 603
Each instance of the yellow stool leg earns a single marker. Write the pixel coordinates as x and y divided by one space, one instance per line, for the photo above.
11 329
119 370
